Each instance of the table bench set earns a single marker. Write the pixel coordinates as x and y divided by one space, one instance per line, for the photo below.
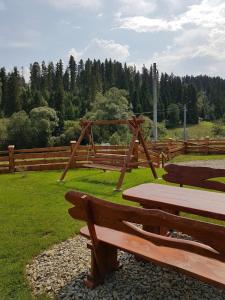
113 226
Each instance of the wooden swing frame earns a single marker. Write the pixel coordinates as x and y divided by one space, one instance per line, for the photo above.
134 125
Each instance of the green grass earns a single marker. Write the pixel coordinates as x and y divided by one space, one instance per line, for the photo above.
198 131
33 215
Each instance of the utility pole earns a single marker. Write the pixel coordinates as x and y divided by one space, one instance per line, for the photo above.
155 100
185 122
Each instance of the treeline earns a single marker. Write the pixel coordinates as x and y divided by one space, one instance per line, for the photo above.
71 89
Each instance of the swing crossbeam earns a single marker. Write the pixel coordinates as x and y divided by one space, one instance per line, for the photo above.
108 161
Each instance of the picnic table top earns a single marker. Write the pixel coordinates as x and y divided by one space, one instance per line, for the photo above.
199 202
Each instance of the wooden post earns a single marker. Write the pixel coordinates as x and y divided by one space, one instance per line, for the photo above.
11 158
206 145
135 151
162 159
158 160
83 133
72 145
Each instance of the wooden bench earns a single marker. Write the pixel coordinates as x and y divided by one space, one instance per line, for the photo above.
194 176
112 226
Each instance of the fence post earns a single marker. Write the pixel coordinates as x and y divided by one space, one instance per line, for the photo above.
72 145
135 151
11 158
207 145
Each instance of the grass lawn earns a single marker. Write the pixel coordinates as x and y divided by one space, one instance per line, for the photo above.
33 215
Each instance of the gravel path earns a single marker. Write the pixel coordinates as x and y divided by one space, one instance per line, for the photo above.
60 271
214 163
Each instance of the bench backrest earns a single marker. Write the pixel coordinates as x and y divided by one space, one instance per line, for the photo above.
195 176
124 218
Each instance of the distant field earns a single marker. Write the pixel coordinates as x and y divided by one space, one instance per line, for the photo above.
198 131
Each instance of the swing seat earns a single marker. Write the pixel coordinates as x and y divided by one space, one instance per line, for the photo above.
115 159
103 167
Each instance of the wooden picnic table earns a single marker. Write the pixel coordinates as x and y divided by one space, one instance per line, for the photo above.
175 199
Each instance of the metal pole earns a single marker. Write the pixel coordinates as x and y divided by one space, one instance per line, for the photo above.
155 98
185 122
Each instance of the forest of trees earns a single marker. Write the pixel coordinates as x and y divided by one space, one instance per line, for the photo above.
57 93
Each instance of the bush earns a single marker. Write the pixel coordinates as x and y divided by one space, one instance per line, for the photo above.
20 131
3 134
218 130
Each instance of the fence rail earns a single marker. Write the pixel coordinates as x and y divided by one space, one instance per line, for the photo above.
53 158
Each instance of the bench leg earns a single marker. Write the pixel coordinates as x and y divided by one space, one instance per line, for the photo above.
108 259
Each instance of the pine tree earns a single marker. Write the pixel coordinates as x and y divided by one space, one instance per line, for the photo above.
51 77
35 76
66 80
145 90
13 101
3 78
72 73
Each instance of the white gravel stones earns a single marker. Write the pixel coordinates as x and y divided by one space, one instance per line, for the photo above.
60 271
211 163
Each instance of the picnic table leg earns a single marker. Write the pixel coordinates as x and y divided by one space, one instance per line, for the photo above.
108 258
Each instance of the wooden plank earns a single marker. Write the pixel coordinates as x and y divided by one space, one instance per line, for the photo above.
205 257
105 156
4 153
42 155
44 167
40 161
102 167
4 158
111 147
209 204
206 269
110 122
46 149
195 176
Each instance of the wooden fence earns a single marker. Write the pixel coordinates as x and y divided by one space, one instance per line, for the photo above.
53 158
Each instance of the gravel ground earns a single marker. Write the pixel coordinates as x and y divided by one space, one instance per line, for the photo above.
60 272
214 163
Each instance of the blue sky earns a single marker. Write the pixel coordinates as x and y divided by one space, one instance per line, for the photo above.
183 37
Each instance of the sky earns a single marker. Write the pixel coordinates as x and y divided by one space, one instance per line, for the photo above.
181 36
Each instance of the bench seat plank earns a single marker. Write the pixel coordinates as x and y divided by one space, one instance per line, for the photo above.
206 269
102 167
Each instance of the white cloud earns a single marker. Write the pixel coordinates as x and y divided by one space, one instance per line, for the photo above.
74 4
136 7
208 14
195 51
198 44
109 49
102 49
76 54
143 24
2 5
